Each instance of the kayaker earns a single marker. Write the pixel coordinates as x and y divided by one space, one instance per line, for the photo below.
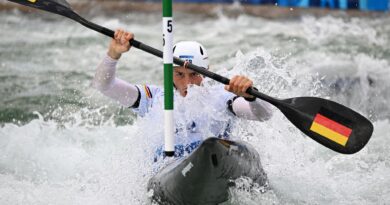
231 99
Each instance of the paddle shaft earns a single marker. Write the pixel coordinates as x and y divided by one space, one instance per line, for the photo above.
299 111
177 61
344 130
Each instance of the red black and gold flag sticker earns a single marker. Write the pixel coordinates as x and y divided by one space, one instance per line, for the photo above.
332 126
147 91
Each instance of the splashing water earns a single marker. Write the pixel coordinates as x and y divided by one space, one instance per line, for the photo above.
81 148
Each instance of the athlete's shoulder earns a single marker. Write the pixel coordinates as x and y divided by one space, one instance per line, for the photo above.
219 90
149 95
150 91
220 96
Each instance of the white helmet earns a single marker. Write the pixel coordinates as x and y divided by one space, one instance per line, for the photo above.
193 52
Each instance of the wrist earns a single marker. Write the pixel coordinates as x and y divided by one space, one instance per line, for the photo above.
114 55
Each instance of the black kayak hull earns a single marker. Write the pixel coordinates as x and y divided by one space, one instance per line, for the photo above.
204 176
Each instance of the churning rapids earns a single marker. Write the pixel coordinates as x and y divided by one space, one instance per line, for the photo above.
62 142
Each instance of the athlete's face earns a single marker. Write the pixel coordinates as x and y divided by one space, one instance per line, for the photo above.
182 77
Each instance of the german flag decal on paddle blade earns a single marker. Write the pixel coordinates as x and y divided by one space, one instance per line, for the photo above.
332 126
32 1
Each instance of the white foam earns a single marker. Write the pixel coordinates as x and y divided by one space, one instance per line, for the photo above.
77 160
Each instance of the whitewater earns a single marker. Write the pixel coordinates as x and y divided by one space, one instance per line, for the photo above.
62 142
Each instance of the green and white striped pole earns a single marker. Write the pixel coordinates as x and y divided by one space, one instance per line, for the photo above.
168 77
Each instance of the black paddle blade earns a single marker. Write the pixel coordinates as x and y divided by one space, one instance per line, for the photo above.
60 7
329 123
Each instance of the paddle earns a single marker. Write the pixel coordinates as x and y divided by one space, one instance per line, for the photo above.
329 123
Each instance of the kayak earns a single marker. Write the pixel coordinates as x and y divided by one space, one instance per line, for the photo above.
205 175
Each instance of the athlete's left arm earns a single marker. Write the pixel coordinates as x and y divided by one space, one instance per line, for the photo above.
245 105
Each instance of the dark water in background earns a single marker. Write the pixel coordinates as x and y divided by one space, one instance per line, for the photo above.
62 142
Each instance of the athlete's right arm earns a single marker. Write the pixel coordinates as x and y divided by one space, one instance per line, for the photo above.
105 80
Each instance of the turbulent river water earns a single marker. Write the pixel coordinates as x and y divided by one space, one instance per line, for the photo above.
62 142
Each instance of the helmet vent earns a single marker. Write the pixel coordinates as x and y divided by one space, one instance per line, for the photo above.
201 50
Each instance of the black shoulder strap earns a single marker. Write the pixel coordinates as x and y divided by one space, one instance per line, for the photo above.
230 104
136 103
